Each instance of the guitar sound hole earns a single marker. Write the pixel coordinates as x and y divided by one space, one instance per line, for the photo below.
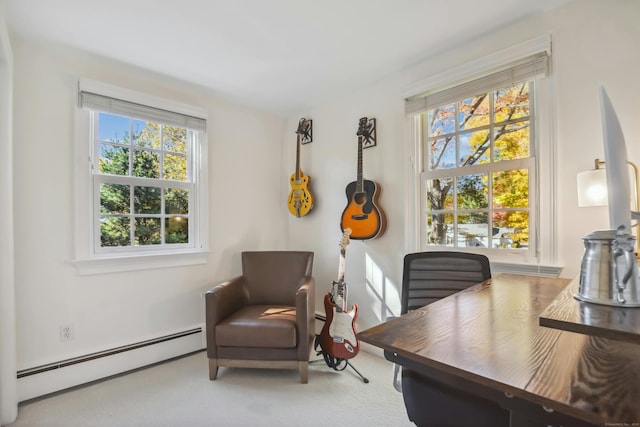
360 198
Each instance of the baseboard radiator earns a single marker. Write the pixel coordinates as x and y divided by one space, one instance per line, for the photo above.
52 377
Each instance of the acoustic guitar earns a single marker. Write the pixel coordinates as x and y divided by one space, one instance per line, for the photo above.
338 335
300 200
362 214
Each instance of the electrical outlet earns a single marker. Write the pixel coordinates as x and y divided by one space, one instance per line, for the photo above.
66 332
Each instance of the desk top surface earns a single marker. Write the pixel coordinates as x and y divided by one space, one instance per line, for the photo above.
490 334
566 312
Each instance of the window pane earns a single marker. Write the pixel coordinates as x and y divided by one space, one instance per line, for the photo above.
512 103
473 112
514 229
512 141
176 201
473 229
473 191
114 160
114 199
511 189
113 128
146 164
474 148
146 134
175 139
442 120
175 167
440 229
147 231
176 230
478 134
137 162
147 200
442 154
115 231
440 194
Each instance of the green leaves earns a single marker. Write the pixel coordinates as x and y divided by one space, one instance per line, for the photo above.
133 214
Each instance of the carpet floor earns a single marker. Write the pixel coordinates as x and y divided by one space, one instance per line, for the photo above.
178 393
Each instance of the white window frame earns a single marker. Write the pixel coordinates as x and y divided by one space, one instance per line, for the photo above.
541 258
486 168
90 258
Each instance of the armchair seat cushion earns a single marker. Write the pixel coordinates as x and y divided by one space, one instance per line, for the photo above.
262 326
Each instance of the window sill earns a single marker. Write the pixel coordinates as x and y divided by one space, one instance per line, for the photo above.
138 262
524 268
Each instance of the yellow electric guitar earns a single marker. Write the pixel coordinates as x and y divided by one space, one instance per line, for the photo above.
300 200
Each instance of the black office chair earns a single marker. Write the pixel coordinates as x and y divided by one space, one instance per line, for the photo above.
430 276
426 278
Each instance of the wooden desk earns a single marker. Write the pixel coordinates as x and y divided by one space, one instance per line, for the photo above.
487 340
566 312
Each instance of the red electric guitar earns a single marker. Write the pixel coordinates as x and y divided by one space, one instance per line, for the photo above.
338 336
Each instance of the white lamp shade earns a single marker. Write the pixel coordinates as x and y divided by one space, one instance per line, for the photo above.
592 188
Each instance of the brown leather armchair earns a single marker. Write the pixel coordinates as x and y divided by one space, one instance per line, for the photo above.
265 317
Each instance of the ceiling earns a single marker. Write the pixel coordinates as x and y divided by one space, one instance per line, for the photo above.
282 56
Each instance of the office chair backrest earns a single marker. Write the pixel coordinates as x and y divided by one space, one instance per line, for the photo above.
430 276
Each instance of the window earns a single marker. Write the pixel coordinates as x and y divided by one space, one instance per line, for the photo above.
477 157
147 170
144 183
478 160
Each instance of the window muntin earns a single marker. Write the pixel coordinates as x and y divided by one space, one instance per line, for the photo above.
143 184
478 165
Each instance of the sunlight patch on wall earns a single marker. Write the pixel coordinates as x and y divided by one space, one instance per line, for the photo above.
382 291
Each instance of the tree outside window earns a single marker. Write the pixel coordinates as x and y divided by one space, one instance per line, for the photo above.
477 156
143 182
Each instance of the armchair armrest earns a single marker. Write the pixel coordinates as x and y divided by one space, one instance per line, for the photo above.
305 316
220 302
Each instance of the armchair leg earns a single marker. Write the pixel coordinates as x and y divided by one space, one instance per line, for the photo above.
303 368
213 369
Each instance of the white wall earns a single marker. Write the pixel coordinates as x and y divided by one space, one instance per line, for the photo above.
8 394
597 44
594 43
117 309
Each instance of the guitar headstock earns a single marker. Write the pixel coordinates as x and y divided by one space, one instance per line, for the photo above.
304 130
344 241
364 129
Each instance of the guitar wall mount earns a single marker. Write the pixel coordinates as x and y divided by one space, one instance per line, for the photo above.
307 130
369 136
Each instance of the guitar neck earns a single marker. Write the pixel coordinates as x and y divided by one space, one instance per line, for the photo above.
340 294
341 264
359 179
298 159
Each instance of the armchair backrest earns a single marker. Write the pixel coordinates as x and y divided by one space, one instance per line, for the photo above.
430 276
273 277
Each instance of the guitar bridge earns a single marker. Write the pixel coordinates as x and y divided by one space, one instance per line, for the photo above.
360 217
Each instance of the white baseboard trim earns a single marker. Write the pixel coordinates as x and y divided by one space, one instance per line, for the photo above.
42 380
